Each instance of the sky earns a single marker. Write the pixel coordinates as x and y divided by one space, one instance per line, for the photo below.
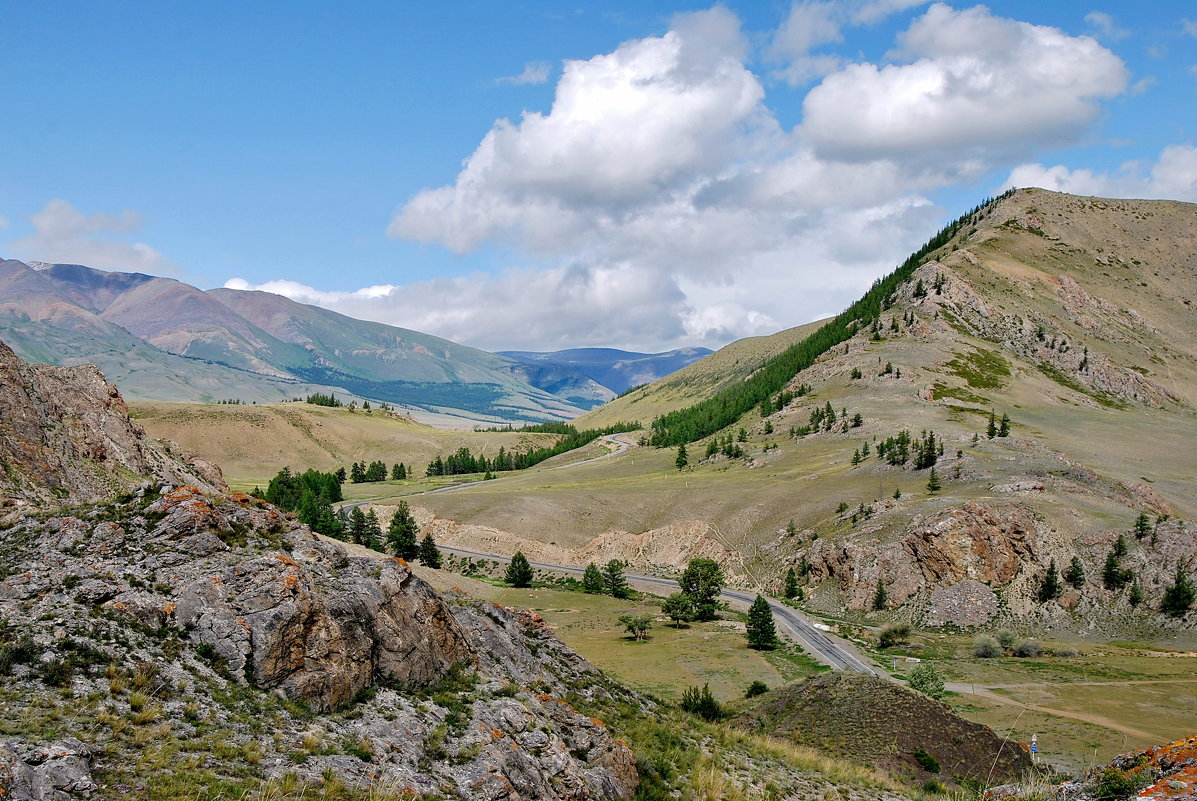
545 175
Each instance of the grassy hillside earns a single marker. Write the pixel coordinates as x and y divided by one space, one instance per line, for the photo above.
727 366
252 443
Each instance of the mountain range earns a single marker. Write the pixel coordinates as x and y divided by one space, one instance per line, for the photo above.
162 339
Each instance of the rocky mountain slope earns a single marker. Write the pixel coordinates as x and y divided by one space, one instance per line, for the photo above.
1071 316
617 370
254 346
180 619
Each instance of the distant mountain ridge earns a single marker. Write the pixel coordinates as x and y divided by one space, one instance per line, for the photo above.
617 370
162 339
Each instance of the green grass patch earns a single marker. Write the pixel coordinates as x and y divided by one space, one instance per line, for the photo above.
942 390
982 369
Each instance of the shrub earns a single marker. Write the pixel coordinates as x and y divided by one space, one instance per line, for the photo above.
1065 651
1005 637
1028 649
701 703
927 761
892 634
986 647
1114 784
927 680
755 689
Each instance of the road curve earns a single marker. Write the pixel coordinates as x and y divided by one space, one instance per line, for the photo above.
825 648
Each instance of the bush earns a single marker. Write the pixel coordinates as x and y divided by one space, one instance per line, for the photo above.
755 689
1028 649
892 634
927 680
927 761
1065 651
1005 637
986 647
1115 784
701 703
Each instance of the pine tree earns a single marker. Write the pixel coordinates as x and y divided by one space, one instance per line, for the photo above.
762 634
991 429
519 571
1142 526
1113 576
357 473
357 525
791 585
1136 594
1049 589
430 555
401 533
592 580
613 579
397 472
1004 426
880 597
703 581
373 534
933 485
1178 598
1075 574
682 459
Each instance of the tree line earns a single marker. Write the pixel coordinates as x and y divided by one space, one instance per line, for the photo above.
728 405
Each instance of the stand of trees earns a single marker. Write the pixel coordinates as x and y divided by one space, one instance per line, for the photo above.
727 406
464 461
310 495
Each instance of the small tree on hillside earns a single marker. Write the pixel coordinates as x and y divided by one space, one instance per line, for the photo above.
1135 596
373 534
1050 589
991 429
1142 526
1075 574
519 571
401 533
1178 598
933 483
880 597
592 580
761 632
637 625
430 555
1004 426
791 585
357 525
614 580
682 459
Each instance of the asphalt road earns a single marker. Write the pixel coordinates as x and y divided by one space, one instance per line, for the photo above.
825 648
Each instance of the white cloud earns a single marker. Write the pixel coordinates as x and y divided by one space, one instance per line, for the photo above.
534 72
978 88
63 234
1103 25
4 223
1190 27
1172 177
668 206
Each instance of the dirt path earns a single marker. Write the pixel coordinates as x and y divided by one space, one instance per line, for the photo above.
1084 717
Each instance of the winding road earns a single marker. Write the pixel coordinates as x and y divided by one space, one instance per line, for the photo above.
825 648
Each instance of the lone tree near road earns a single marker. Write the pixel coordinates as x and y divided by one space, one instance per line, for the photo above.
430 555
679 608
703 581
762 634
614 580
519 572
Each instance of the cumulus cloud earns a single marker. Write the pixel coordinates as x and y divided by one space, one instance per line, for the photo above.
1104 26
534 72
977 88
62 233
669 206
1173 176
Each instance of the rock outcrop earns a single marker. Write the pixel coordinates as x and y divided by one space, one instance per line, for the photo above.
66 438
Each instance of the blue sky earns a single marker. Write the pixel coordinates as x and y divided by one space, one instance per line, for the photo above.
538 176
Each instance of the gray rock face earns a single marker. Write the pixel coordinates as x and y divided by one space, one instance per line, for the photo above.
66 438
53 772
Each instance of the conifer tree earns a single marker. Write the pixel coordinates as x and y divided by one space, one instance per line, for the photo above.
401 533
1004 426
1075 574
519 571
613 579
991 429
791 585
357 525
682 459
761 633
1142 526
933 484
1178 598
1049 589
357 473
373 534
880 597
703 581
679 608
430 555
1136 594
592 580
